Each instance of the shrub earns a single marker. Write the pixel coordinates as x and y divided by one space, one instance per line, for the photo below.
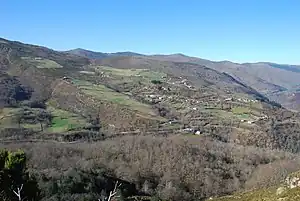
14 175
156 82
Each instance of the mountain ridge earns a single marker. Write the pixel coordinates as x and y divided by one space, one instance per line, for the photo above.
180 55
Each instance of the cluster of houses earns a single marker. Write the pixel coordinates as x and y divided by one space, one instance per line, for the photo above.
253 121
194 131
248 121
153 97
67 79
183 82
245 100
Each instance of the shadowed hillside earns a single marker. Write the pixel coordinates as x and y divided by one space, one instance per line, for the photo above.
12 91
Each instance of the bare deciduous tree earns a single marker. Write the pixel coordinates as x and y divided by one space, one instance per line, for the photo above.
112 193
18 192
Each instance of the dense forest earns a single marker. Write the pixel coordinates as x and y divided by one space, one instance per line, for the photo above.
143 168
135 128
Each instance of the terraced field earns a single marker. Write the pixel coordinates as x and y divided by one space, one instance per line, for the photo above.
41 62
101 92
64 120
144 73
61 120
6 116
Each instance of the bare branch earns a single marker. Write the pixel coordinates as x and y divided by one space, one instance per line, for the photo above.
18 194
113 192
116 185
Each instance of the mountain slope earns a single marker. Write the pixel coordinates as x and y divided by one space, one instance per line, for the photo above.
273 80
150 120
43 69
267 78
87 53
276 81
287 190
143 93
52 75
99 55
197 74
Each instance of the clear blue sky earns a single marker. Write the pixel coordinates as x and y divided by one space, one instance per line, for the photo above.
236 30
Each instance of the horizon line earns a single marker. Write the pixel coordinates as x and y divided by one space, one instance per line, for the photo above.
153 54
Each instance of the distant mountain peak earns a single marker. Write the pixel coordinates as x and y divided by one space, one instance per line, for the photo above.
79 49
100 55
126 53
179 54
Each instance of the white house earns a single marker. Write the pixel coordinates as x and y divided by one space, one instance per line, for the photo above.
197 133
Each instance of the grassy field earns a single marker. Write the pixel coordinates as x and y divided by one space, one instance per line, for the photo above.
240 110
117 71
221 113
42 63
142 73
128 77
64 120
8 119
103 93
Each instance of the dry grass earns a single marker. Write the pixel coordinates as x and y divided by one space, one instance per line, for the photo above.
265 194
6 116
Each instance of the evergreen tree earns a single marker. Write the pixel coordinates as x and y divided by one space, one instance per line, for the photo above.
15 181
